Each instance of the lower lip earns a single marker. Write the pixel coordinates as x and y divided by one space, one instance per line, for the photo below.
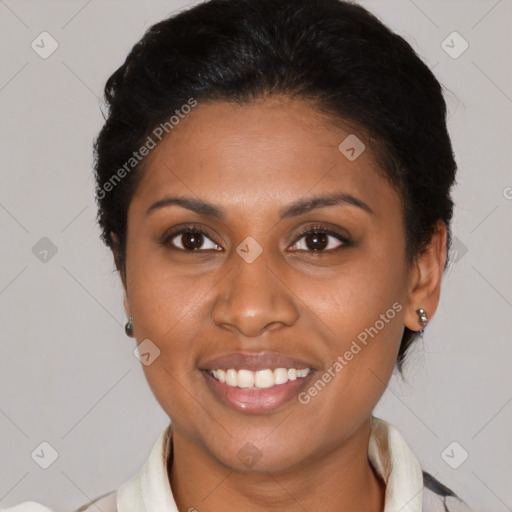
257 400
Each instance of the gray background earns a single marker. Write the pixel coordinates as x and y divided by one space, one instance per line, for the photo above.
68 374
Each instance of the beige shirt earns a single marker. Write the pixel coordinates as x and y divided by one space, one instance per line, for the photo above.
408 488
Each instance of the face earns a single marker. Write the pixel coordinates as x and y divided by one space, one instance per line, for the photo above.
249 276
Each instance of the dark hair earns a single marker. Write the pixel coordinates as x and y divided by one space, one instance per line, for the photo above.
331 52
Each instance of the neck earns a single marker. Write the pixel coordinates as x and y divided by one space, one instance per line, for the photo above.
339 481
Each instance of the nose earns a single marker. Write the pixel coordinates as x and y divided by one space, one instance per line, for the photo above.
253 299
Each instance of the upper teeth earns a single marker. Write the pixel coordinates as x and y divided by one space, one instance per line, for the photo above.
260 379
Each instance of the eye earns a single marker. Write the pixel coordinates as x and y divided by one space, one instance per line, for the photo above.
320 239
316 239
190 238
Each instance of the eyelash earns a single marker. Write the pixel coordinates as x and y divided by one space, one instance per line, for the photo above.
318 228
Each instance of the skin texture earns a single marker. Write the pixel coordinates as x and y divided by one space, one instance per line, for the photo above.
252 160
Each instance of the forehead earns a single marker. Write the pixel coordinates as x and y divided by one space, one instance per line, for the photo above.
265 153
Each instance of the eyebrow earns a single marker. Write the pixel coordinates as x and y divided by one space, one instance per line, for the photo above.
297 208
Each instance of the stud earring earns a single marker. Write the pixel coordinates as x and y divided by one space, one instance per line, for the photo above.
422 318
128 328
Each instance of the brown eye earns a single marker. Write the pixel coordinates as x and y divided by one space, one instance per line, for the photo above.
317 241
190 239
320 239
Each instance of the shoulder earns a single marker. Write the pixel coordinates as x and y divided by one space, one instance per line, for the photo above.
439 498
27 506
106 503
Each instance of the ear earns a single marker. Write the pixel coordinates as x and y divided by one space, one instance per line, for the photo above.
115 251
425 278
127 307
117 259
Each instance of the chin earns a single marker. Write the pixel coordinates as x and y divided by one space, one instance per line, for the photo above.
253 459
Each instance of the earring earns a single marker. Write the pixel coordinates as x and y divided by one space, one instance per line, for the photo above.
128 328
422 318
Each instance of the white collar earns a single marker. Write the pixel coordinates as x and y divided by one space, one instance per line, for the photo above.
394 461
389 454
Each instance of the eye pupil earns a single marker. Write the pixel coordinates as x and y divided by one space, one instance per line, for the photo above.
192 240
318 241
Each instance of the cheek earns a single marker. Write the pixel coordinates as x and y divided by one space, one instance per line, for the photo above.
362 307
165 301
362 342
365 293
166 307
171 326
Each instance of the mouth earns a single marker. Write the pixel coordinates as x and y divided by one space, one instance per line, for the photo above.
261 379
253 398
256 383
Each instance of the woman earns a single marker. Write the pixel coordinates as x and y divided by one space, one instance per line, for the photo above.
273 179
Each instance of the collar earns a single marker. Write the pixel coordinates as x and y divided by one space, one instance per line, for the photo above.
388 453
394 461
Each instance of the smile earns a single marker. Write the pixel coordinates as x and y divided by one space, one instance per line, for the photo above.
261 379
257 392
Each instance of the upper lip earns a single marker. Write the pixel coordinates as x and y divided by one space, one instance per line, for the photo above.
254 361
